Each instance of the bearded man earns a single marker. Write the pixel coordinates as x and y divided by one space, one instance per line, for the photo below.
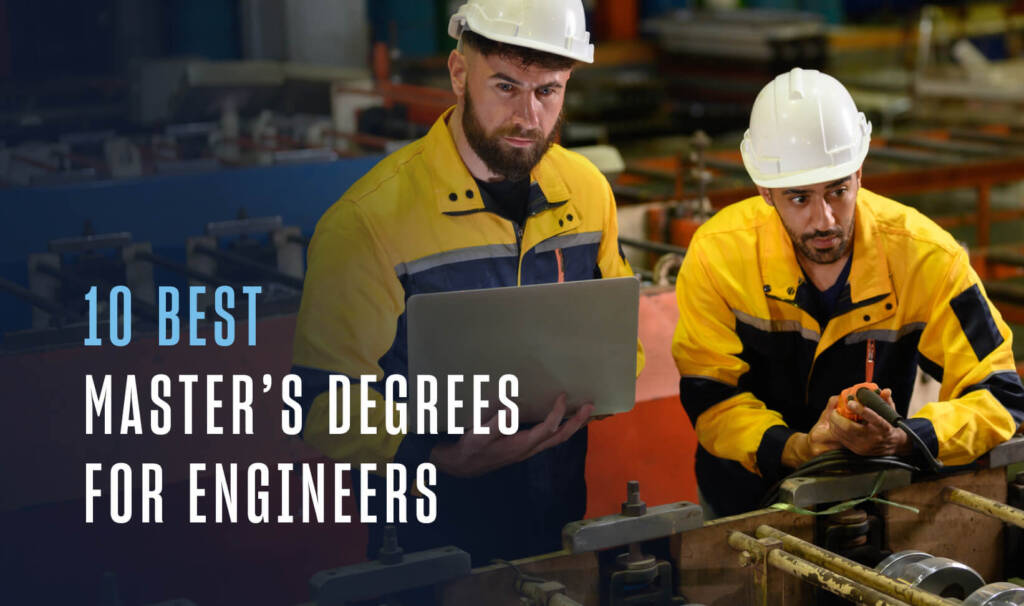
485 199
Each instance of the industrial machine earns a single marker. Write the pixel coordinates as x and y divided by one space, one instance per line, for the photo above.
933 540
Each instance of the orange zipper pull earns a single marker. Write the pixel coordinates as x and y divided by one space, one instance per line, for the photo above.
869 362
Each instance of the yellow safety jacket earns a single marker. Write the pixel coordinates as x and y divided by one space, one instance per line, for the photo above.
416 223
756 367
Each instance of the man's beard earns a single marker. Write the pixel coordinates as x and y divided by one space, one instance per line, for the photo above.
512 163
823 257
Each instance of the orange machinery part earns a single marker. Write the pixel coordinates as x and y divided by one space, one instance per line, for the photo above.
681 230
657 228
654 443
617 19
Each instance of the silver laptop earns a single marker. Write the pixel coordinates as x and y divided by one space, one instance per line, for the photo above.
573 337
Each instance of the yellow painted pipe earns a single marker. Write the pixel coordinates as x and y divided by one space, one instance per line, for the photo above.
985 505
818 576
853 570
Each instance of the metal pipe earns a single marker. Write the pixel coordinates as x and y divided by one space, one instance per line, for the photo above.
985 505
818 576
853 570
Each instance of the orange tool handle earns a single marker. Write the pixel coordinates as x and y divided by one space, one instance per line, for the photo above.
850 393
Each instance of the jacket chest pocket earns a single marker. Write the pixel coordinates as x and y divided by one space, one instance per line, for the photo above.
549 262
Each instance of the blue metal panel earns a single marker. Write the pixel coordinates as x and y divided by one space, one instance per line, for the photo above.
162 210
411 25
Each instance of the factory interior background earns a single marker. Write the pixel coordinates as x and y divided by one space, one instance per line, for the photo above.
153 142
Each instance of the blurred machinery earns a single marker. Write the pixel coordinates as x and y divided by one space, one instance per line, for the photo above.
190 116
247 251
953 66
714 62
955 83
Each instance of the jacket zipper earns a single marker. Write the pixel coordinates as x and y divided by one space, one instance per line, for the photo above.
869 368
810 373
518 229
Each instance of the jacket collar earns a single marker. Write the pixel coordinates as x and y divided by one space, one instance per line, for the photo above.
781 273
870 276
454 189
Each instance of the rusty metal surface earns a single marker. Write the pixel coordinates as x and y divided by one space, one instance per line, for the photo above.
943 529
709 572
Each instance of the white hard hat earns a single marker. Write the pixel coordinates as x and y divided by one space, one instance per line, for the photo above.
804 129
558 27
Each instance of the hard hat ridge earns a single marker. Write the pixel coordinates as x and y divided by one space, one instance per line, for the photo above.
553 26
804 129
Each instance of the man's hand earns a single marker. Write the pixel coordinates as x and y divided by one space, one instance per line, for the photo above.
874 436
474 455
802 447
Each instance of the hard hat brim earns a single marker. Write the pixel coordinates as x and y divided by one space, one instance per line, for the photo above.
801 178
586 55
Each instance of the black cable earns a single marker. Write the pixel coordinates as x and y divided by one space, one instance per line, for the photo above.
934 463
875 402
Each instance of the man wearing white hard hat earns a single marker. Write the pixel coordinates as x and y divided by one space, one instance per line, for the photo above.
816 285
485 199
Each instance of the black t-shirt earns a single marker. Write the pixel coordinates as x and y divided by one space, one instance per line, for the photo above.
506 198
823 303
